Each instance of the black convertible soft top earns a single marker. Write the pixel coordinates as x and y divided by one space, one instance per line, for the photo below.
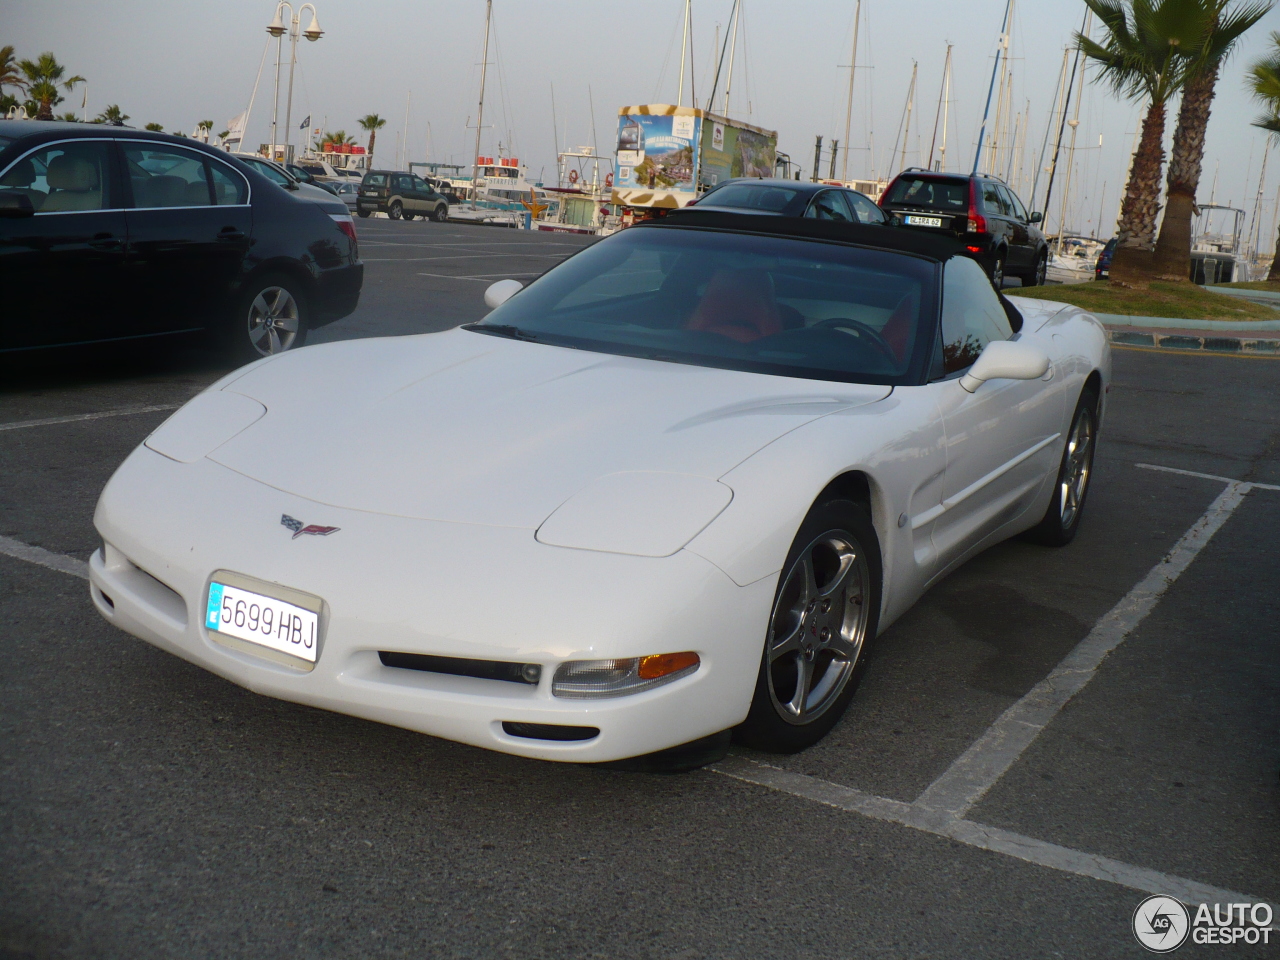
902 239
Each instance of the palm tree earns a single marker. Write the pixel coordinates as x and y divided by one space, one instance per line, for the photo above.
112 115
69 116
44 76
1172 258
155 128
1142 57
372 123
206 126
1264 83
9 75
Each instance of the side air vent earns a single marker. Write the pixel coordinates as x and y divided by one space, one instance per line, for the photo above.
527 673
549 731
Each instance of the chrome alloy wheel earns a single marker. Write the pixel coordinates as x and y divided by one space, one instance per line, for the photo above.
273 321
1075 475
818 628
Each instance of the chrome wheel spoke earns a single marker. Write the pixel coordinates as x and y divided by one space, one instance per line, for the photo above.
257 331
287 324
789 644
799 703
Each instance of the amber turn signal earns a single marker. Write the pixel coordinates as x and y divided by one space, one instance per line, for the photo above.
662 664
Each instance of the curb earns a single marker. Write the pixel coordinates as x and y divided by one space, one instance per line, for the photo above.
1193 341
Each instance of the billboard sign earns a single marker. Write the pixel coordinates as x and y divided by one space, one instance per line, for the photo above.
657 152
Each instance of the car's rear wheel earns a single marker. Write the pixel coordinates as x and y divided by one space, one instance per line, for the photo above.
997 270
1062 519
396 210
441 213
824 617
270 318
1036 277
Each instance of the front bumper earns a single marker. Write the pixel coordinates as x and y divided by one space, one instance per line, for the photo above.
428 587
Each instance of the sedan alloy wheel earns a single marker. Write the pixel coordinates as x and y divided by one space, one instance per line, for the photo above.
274 319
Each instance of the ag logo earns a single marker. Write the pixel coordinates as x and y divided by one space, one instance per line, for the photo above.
1161 924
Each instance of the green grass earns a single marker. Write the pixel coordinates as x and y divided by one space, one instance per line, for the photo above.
1183 301
1253 285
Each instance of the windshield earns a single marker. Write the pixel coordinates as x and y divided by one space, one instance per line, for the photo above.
765 304
950 196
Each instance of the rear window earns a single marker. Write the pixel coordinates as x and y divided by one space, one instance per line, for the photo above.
950 196
375 180
751 197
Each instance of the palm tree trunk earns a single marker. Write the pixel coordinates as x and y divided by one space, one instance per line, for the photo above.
373 136
1172 260
1136 230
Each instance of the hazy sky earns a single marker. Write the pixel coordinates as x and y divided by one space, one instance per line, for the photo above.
177 62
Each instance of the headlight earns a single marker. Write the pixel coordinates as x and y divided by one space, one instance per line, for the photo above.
595 679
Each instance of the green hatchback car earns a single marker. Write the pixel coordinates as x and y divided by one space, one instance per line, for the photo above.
400 196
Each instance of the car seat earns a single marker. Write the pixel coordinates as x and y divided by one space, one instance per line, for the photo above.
738 304
19 180
73 185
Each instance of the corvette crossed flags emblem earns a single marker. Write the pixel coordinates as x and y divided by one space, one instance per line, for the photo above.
298 529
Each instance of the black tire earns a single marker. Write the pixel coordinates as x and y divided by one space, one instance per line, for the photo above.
839 634
245 340
1036 277
996 271
1062 518
396 210
362 211
441 213
407 215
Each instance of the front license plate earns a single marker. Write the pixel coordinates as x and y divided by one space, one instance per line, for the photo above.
924 221
262 620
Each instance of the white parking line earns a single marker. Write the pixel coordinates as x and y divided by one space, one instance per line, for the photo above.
971 834
101 414
45 558
942 807
1207 476
977 769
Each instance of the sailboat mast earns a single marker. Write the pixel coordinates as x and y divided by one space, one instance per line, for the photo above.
911 99
946 113
848 109
1057 105
1000 47
484 66
942 95
733 48
1074 123
684 48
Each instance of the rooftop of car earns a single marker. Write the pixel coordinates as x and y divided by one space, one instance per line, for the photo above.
930 246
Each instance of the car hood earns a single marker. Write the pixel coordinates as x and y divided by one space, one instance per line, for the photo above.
466 427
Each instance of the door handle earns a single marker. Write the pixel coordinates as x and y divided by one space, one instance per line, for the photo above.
230 233
105 241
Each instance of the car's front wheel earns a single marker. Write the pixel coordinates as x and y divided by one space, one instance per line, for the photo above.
824 617
362 211
270 318
441 213
1062 519
396 210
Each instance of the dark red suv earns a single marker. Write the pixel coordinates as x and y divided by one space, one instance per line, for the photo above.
981 211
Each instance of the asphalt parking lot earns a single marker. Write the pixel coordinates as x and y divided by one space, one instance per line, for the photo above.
1045 739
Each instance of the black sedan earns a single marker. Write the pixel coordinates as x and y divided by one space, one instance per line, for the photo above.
792 198
108 233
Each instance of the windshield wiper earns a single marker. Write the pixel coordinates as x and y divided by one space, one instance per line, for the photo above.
501 330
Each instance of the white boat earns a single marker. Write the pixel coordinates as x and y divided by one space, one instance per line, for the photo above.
1074 261
582 199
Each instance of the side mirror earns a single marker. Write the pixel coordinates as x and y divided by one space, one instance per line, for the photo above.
1006 360
499 293
14 205
1037 217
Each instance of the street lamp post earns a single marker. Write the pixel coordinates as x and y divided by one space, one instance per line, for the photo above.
277 29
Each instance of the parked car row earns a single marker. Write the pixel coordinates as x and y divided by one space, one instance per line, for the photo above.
109 233
978 209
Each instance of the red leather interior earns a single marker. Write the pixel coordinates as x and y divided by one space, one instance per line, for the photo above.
740 305
900 325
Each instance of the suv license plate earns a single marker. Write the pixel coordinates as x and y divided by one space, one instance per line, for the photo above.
924 221
262 620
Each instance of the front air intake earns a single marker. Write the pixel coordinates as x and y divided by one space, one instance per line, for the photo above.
527 673
549 731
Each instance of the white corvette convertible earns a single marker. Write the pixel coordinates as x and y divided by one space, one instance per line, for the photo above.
673 488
